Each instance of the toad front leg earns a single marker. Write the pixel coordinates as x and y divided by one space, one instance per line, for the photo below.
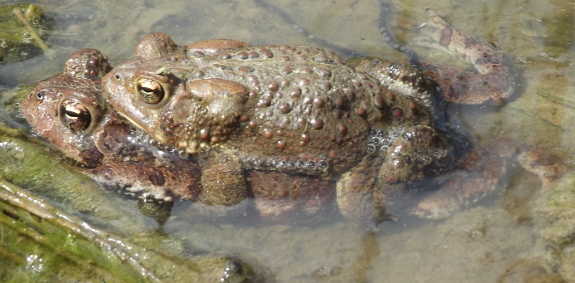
356 196
223 182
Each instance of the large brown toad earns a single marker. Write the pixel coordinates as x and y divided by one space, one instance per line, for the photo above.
302 110
69 111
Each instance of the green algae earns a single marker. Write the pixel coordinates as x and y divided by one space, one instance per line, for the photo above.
37 167
40 243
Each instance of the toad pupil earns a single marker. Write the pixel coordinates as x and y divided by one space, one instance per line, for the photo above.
75 116
150 91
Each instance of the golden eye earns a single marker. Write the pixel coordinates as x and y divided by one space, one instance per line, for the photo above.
74 115
149 90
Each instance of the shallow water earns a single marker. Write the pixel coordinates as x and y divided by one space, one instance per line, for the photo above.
475 245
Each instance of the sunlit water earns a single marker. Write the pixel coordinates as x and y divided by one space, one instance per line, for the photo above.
475 245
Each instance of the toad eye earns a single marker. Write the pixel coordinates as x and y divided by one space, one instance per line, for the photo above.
149 90
74 115
39 95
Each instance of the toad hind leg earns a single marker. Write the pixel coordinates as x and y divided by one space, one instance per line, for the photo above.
493 82
479 174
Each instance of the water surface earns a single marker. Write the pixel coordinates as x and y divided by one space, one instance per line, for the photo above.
475 245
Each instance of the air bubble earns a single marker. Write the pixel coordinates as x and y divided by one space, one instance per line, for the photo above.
300 163
370 148
425 159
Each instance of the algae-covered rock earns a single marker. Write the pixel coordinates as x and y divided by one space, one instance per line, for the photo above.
38 168
22 27
41 243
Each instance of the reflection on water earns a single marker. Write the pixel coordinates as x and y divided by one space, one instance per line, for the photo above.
476 245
